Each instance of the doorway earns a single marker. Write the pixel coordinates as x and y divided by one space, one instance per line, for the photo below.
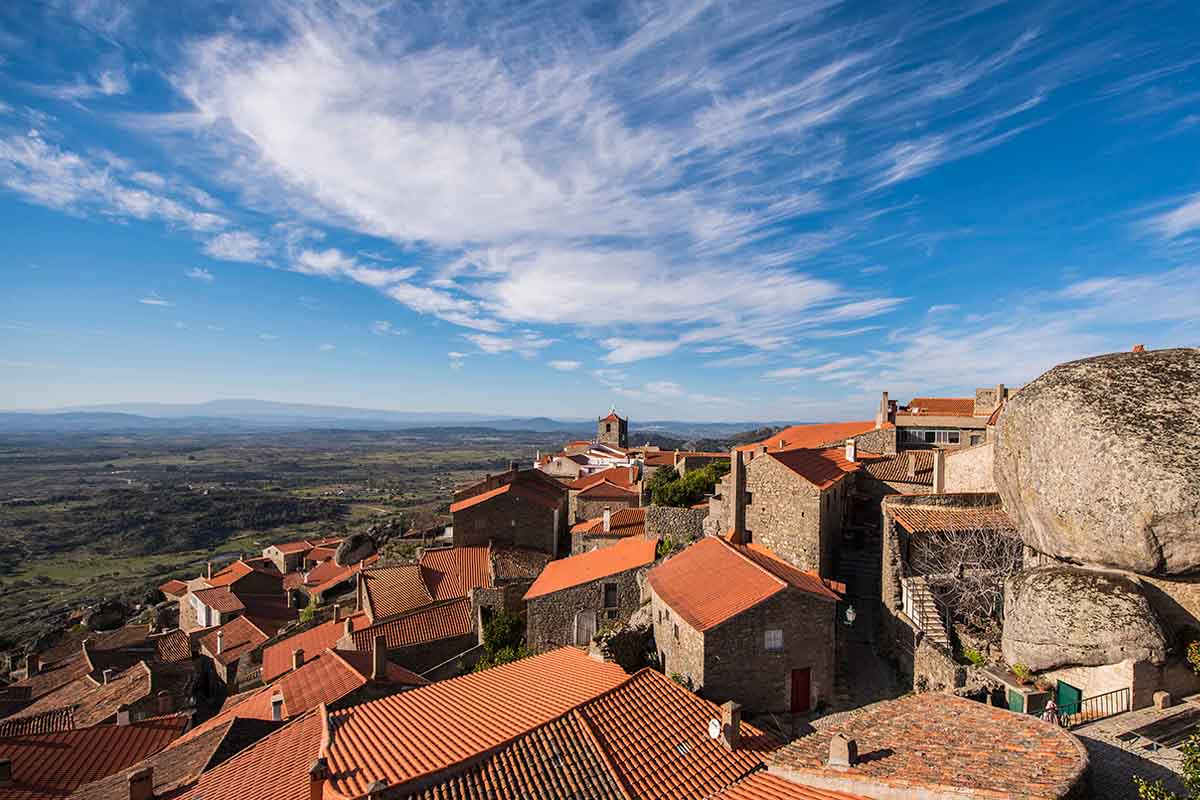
801 686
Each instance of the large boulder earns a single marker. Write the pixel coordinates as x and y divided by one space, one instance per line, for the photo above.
1060 616
353 549
1098 461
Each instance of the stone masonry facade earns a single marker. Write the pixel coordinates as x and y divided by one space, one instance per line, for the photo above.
677 524
680 646
793 518
551 618
970 469
512 519
590 508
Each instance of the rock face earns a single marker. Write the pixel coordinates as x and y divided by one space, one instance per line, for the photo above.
1098 461
1058 616
105 616
353 549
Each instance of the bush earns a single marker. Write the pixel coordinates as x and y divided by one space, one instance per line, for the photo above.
630 646
1022 672
1193 655
974 656
503 641
1191 776
505 655
309 612
688 490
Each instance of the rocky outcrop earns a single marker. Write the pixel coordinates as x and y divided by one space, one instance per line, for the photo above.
1098 461
1060 615
105 616
353 549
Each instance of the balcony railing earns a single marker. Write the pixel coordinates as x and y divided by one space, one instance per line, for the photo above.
1091 709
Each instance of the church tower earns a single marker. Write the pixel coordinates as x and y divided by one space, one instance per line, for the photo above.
613 430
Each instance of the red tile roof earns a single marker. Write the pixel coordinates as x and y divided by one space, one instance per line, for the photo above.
94 702
241 635
765 786
423 731
994 417
530 485
328 574
613 416
927 743
395 590
940 406
173 646
510 563
321 553
812 436
621 476
274 768
605 490
50 765
821 468
428 624
622 522
220 599
749 575
56 719
455 571
895 468
230 574
277 658
293 547
565 573
174 588
969 515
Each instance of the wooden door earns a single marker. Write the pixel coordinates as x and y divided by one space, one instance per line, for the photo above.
801 686
1068 698
585 628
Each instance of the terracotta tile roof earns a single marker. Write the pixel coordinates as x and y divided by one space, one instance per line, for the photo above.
428 624
94 703
241 636
939 742
895 468
821 468
56 719
994 417
182 762
621 476
328 574
277 658
230 574
665 458
173 588
220 599
321 553
293 580
423 731
917 517
612 417
173 646
812 436
606 490
275 767
455 571
510 563
622 522
395 590
54 764
293 547
940 406
629 553
749 575
765 786
529 485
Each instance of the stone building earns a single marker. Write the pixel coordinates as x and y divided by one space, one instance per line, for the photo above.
520 507
944 422
575 597
607 529
613 430
613 488
763 637
218 597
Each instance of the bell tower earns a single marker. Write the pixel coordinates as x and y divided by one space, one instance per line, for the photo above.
613 430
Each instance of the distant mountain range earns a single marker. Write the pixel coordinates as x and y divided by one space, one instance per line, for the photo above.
247 415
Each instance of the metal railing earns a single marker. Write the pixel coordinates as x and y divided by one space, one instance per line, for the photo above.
1091 709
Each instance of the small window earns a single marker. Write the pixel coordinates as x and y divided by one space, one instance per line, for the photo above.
610 595
676 631
953 437
975 439
774 641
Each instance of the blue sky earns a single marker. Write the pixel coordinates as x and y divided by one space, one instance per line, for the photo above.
693 210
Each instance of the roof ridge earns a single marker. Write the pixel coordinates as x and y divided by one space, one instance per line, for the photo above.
737 549
586 725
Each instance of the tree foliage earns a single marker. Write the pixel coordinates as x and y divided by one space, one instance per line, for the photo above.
503 641
1191 776
688 490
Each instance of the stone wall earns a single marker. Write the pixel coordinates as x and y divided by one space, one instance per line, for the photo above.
677 523
880 440
680 646
511 520
737 665
422 657
970 469
924 665
785 513
590 508
550 620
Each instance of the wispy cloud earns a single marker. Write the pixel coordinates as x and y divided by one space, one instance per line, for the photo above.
107 83
326 348
267 337
237 246
1182 219
526 344
382 327
153 299
200 274
564 365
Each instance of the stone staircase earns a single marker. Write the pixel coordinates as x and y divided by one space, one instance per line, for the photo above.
922 609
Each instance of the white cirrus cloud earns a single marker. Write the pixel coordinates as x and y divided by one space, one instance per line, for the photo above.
563 365
1182 219
237 246
624 351
153 299
200 274
326 348
527 344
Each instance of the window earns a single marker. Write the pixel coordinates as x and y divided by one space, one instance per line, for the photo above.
610 595
930 436
677 631
975 439
774 641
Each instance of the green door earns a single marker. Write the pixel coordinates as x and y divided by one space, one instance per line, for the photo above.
1016 701
1068 698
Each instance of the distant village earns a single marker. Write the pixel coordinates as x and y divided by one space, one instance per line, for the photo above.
961 597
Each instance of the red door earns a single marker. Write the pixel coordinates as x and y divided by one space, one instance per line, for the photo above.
800 690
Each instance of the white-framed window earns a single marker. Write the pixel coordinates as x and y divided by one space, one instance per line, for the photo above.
930 436
773 640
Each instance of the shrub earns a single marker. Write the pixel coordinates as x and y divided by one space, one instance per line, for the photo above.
688 490
1193 655
505 630
1022 672
1191 776
309 613
974 656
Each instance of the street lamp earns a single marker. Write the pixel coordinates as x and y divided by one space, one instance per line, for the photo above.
851 615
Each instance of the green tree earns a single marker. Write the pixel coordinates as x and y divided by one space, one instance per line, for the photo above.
1191 776
659 478
691 488
503 641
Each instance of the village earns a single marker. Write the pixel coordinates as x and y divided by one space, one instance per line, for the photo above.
983 596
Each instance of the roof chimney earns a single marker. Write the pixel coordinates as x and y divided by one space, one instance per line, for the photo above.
607 519
843 751
912 464
1000 392
939 472
166 703
277 707
108 675
220 641
209 567
123 714
1139 348
33 664
337 613
318 773
731 724
348 628
6 776
881 413
376 789
141 784
287 596
738 468
851 450
379 659
297 658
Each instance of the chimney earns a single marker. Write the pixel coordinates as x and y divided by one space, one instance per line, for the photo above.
514 466
318 773
166 703
881 413
843 752
287 596
376 789
607 519
337 613
297 658
33 664
379 659
762 449
220 641
123 714
108 675
1000 390
141 784
939 472
851 450
738 467
209 568
731 724
912 464
348 628
1139 348
277 707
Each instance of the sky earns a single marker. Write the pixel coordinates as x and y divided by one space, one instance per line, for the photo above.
696 210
